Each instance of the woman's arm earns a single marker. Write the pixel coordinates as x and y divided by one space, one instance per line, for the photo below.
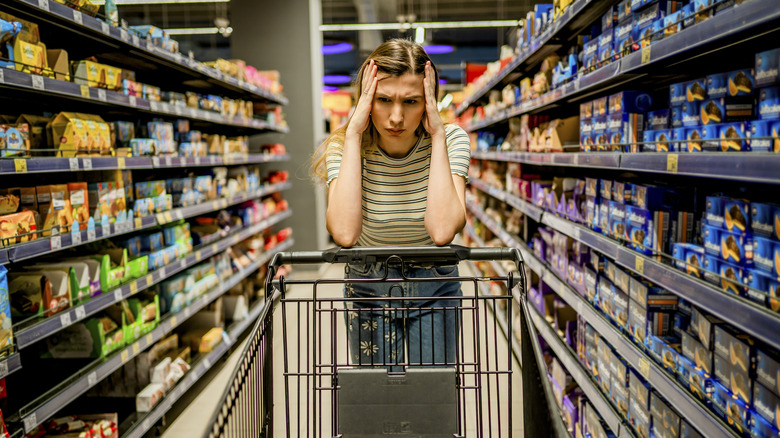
344 217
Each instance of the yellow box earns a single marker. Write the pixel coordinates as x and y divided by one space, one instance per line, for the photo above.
69 134
90 73
31 58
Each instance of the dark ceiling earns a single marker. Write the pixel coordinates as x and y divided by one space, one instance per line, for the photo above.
477 45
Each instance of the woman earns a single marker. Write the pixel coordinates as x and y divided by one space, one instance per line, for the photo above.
397 175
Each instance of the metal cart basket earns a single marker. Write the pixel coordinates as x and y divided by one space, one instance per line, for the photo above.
394 363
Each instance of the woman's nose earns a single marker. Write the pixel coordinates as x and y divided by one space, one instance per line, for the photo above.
396 115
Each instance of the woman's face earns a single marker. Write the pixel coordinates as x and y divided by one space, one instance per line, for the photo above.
399 104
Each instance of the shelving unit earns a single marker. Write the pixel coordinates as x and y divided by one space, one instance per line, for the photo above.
84 36
735 33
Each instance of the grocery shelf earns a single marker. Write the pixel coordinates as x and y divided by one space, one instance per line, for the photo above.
43 328
31 82
144 423
10 364
578 16
525 207
578 373
121 42
50 165
740 166
48 245
740 312
86 379
723 28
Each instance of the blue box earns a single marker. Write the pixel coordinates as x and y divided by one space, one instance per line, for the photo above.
605 290
691 116
665 350
734 136
730 408
762 219
604 216
767 64
655 198
592 213
677 94
730 109
623 9
736 214
151 242
714 209
769 103
709 136
624 37
629 102
600 107
617 220
680 144
760 131
658 119
711 239
736 248
736 284
761 428
763 258
736 381
639 417
590 54
605 47
673 23
639 230
763 288
697 381
625 129
696 90
610 18
637 4
694 139
659 140
731 84
664 417
687 431
675 117
692 255
768 368
600 125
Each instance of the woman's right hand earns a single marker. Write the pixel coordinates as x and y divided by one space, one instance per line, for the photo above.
359 121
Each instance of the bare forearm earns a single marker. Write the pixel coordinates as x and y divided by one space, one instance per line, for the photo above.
444 212
344 216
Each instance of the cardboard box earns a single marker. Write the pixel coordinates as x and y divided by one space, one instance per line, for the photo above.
664 416
768 368
769 103
766 67
696 380
58 63
732 377
694 351
729 407
759 136
149 397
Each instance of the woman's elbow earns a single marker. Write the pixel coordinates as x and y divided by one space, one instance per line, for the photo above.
345 241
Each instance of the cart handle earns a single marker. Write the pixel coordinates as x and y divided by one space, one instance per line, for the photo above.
439 255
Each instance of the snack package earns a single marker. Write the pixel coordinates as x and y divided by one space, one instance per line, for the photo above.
6 324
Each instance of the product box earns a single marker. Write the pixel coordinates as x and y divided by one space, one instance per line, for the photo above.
592 187
600 108
677 94
733 378
590 54
604 217
624 37
767 404
768 368
769 103
709 137
672 23
736 248
694 378
586 110
658 119
617 220
606 189
639 389
732 84
149 397
736 215
738 348
604 301
729 407
610 18
637 323
702 325
715 207
662 139
767 64
733 136
690 113
675 118
620 306
663 416
687 431
639 417
639 226
650 296
602 365
764 136
763 288
723 110
688 258
665 350
629 102
655 198
694 351
605 46
625 130
764 255
761 428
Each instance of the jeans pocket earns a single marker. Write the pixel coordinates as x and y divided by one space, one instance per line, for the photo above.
359 269
445 271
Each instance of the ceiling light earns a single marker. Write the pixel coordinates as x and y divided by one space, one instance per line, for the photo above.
332 49
428 25
193 31
156 2
336 79
438 49
419 35
328 88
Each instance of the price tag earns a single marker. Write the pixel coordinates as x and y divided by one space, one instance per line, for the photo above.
163 274
168 161
124 35
65 319
73 163
156 161
77 17
198 254
2 76
645 54
168 217
20 165
91 234
101 94
133 287
3 369
43 4
56 243
207 363
86 163
214 205
37 82
125 356
120 162
671 163
197 161
139 223
173 321
105 28
149 339
147 424
136 40
187 312
76 238
154 105
193 113
80 313
214 248
31 420
160 218
118 295
133 101
149 279
136 348
644 368
177 110
640 265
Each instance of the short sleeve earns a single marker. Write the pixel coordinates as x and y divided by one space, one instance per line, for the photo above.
333 160
458 150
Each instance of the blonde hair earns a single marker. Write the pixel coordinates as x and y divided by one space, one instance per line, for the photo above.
395 57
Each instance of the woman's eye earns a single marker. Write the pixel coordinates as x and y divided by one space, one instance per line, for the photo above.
384 99
411 101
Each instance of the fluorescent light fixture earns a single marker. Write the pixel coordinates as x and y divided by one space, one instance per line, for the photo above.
419 35
428 25
328 88
332 49
445 102
336 79
157 2
196 31
438 49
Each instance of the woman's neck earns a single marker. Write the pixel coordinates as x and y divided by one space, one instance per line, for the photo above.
397 150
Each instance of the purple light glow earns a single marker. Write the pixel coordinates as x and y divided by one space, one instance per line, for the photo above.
329 88
336 79
442 81
332 49
438 49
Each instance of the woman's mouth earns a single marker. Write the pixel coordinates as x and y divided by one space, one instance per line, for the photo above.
395 131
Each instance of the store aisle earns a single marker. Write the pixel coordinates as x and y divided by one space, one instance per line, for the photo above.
193 421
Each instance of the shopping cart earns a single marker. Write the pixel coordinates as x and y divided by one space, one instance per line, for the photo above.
351 365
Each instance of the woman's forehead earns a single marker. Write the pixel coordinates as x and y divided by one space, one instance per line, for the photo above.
404 84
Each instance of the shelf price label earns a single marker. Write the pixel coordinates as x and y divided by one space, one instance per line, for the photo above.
101 94
37 82
2 76
31 420
173 321
56 243
136 40
73 164
77 17
86 163
136 348
149 339
91 234
644 368
133 287
20 165
124 35
118 295
65 319
639 264
80 313
125 356
92 378
75 238
133 101
105 28
120 162
43 4
3 369
672 163
139 223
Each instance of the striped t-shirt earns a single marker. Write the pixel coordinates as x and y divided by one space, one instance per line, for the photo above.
395 189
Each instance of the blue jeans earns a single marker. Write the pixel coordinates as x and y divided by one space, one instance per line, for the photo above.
382 333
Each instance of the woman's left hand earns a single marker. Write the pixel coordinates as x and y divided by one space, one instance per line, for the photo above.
431 119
